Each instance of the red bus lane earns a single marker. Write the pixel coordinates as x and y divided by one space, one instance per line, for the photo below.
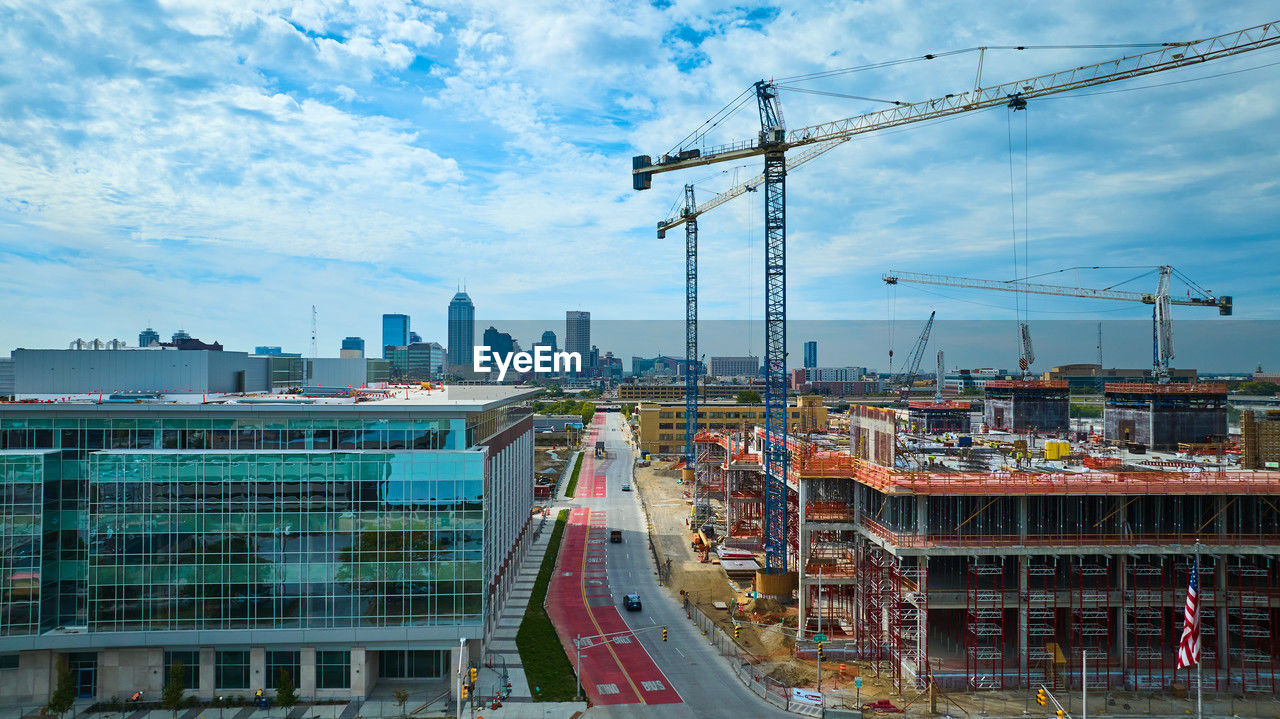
581 604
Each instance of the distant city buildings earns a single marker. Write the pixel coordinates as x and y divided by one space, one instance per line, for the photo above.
748 366
352 347
395 332
148 337
661 366
462 332
500 344
268 350
811 354
179 337
549 340
414 338
417 361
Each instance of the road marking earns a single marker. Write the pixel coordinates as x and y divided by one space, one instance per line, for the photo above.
653 686
607 688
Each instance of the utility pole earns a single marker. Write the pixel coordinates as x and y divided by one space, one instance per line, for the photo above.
1084 662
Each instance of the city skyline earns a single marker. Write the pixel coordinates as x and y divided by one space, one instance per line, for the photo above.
1175 173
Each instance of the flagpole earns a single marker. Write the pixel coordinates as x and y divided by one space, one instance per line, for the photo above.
1199 684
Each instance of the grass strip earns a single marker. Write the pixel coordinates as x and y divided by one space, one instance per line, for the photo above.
573 481
547 667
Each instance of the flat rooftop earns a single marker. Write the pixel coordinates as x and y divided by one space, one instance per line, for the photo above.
453 398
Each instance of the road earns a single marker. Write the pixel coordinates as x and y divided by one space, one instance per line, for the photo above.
704 684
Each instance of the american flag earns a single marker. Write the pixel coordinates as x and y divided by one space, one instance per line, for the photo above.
1189 645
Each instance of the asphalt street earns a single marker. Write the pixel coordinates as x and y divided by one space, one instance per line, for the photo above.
704 680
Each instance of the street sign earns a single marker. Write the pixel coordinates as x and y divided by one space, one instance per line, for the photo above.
819 637
857 682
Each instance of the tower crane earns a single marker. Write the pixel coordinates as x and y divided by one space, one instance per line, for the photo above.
1160 301
774 140
911 367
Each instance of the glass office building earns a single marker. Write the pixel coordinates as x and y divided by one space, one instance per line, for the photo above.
395 332
255 535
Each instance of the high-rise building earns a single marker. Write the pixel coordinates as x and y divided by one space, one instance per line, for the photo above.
500 344
352 347
417 361
395 332
549 340
148 337
811 354
414 338
244 535
180 336
462 331
577 334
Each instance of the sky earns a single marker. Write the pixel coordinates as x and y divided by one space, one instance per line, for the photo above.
221 167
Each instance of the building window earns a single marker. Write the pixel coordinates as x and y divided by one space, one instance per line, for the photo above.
282 661
425 664
233 670
8 661
333 670
190 660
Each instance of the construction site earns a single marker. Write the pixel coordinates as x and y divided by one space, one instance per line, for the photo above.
951 547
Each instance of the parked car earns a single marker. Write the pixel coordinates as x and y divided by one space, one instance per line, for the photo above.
616 536
631 602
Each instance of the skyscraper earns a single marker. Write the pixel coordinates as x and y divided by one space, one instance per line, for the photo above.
395 332
148 337
180 336
352 347
811 354
577 334
549 340
462 330
414 338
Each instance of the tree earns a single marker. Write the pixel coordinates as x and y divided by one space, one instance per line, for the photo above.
64 693
747 396
286 692
401 696
174 686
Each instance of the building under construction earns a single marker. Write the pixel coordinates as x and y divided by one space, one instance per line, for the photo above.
1162 416
1027 405
976 570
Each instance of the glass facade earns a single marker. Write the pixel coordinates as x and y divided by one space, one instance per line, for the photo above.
333 669
395 332
227 540
21 534
240 521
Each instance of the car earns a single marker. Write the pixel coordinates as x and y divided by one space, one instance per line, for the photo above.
631 602
616 536
626 486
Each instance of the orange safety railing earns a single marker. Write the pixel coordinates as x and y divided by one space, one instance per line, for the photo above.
828 511
1175 388
807 463
912 540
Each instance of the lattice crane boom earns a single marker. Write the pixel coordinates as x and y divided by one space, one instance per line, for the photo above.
1170 56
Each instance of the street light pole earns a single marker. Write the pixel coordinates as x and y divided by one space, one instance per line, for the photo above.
1084 684
577 668
462 653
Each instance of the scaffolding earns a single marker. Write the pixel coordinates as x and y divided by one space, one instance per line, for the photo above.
1090 606
1147 615
984 628
1042 657
1250 626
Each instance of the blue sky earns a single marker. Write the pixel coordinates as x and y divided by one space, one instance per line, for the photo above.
222 166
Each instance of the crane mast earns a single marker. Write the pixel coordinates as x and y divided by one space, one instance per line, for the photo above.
701 502
774 140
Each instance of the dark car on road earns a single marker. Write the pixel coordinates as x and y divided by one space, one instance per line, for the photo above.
616 536
631 602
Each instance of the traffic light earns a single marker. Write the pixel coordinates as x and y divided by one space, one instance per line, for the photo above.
736 630
1061 714
474 672
464 691
1041 699
664 634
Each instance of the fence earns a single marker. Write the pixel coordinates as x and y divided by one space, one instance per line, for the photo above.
746 666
